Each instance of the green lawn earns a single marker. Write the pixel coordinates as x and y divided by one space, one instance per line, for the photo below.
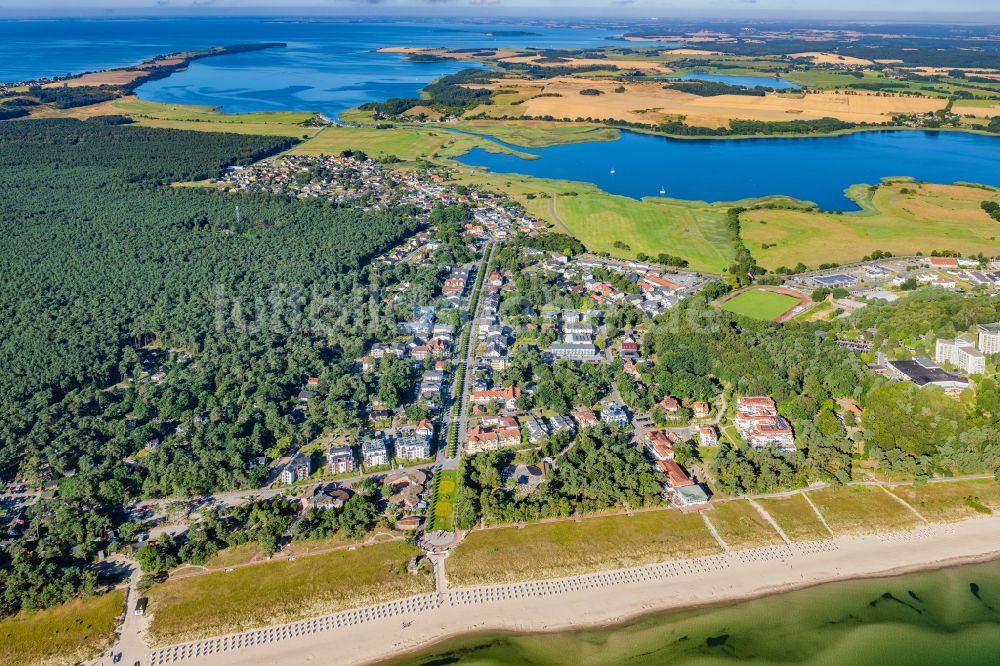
442 508
568 547
922 218
537 133
75 631
760 304
282 591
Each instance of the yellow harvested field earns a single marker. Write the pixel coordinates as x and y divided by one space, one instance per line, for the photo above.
642 65
568 547
922 218
691 52
651 103
824 58
971 109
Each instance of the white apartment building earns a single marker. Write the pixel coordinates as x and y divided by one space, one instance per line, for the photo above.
989 338
961 353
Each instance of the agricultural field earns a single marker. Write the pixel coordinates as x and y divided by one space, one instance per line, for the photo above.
741 526
73 632
442 506
900 217
949 501
795 517
282 591
760 304
568 547
862 510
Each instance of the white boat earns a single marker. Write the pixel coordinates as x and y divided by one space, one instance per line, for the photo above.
612 171
663 190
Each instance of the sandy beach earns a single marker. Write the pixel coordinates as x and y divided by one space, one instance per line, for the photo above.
599 599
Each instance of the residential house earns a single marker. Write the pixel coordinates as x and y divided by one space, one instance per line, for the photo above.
585 418
961 353
536 429
413 447
707 436
659 445
758 422
701 409
503 397
561 424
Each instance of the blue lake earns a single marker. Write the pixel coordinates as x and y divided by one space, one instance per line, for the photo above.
811 169
329 64
747 81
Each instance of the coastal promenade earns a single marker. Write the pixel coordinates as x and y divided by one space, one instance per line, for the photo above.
389 629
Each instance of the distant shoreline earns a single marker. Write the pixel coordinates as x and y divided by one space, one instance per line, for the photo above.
739 576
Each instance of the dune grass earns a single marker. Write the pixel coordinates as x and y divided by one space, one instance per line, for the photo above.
566 548
741 526
760 304
795 517
923 218
861 510
282 591
75 631
949 501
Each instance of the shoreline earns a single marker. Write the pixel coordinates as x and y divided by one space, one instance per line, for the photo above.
604 600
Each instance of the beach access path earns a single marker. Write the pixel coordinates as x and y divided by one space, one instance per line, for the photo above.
375 633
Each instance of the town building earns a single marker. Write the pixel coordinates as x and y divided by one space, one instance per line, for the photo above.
413 447
615 414
298 469
758 422
585 418
707 436
375 451
503 397
924 372
340 459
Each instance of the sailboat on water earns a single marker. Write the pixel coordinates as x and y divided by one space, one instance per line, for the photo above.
612 171
663 190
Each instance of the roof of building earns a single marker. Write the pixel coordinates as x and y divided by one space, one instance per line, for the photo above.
922 374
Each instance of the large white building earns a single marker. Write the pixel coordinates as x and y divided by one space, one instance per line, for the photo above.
962 354
989 338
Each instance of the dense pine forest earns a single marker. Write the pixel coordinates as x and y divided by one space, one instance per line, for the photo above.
112 275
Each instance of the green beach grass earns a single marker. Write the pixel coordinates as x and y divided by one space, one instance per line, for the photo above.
741 526
795 517
282 591
760 304
862 510
568 547
75 631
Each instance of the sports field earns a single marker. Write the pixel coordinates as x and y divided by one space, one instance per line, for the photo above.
442 508
73 632
760 304
900 217
568 547
282 591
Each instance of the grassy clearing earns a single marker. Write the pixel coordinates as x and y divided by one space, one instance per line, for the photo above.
741 526
950 501
406 143
924 218
861 510
282 591
760 304
567 548
75 631
537 133
795 518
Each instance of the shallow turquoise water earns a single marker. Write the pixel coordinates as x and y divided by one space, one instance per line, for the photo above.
944 617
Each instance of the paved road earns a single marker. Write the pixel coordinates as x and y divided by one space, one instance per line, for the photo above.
470 358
